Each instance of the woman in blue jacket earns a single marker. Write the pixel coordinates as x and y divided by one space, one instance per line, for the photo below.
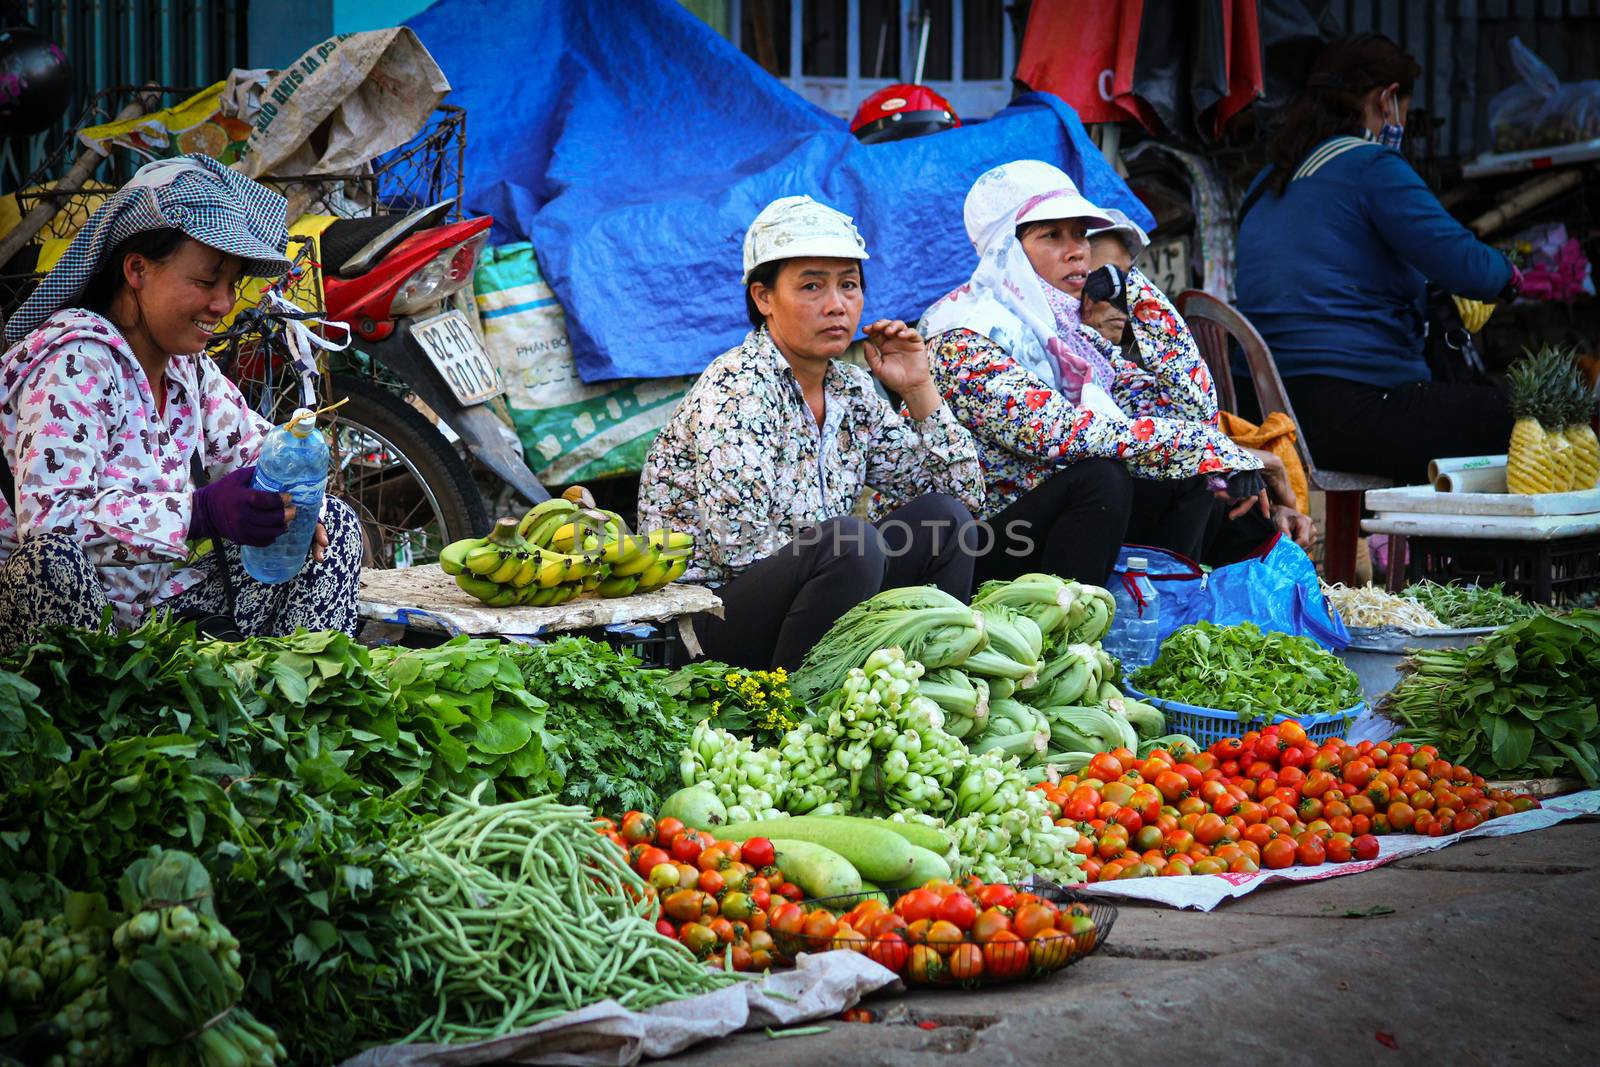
1338 241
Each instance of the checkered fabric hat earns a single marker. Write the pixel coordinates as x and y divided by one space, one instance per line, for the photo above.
216 206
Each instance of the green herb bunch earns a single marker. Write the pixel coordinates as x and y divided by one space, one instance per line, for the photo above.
1266 676
1520 702
613 734
1467 606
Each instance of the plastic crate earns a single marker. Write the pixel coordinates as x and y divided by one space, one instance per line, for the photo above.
1207 725
654 645
1556 573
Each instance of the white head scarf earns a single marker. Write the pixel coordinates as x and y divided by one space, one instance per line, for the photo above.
1005 300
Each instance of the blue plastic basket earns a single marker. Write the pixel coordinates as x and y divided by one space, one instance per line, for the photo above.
1207 725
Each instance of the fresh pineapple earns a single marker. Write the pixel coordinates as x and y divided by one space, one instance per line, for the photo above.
1532 464
1555 370
1579 411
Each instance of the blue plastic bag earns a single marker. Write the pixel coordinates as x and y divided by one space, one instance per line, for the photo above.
1277 591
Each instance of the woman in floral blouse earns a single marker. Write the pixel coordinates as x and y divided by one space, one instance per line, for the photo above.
123 443
770 453
1081 450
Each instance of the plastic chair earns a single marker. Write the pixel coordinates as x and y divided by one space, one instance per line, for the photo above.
1213 323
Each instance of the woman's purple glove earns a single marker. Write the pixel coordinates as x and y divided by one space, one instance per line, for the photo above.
231 509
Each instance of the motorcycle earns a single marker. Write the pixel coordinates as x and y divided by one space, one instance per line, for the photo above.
419 383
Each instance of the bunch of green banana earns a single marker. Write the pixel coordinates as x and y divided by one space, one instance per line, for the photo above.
508 568
635 563
564 548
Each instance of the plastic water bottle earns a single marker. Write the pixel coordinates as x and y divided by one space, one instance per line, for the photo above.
1135 629
294 460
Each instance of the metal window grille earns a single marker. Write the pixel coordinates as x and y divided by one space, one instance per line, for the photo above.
835 53
131 42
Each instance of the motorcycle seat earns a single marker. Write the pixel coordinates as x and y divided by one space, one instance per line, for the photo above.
351 247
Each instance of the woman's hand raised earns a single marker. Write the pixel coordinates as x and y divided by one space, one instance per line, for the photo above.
898 358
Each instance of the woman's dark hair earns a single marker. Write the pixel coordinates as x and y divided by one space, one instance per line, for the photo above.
767 274
1330 103
102 286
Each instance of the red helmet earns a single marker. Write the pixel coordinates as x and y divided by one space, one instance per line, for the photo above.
896 112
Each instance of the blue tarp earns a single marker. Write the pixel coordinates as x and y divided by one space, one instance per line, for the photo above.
633 145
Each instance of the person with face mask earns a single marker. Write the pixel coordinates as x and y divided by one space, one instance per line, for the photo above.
1338 240
769 454
1081 449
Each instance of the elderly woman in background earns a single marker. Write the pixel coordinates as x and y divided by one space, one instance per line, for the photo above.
775 445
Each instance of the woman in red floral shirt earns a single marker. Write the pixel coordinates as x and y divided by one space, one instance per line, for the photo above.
1080 450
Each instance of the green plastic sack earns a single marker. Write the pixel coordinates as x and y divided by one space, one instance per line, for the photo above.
570 431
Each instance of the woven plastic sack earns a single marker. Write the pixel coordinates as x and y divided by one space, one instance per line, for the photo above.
570 431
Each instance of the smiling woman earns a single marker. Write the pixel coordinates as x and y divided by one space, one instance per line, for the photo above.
769 454
123 446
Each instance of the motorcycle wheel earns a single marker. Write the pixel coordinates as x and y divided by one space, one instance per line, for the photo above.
406 481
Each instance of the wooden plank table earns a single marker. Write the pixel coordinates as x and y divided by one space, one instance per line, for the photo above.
427 599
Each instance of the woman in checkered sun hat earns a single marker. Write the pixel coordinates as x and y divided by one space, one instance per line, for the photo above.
124 445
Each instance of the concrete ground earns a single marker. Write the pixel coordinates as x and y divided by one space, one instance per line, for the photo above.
1487 952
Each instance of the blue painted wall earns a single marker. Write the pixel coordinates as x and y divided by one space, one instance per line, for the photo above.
281 31
351 16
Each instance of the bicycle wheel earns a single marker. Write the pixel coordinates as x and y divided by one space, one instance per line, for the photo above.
408 484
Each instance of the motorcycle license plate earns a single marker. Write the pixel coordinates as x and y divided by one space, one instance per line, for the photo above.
460 358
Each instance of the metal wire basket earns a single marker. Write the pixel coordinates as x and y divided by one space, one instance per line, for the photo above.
965 962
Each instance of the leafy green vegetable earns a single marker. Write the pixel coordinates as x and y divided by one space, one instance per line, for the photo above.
1521 702
1465 606
613 735
1253 674
80 827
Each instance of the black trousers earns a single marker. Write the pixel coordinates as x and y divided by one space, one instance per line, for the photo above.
1230 540
1074 523
780 606
1365 429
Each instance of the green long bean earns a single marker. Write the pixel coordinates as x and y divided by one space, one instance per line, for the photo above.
524 913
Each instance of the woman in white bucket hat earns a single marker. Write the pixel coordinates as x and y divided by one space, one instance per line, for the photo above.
769 455
124 445
1080 450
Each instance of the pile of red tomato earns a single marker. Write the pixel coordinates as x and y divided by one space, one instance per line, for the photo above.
945 933
714 895
1269 799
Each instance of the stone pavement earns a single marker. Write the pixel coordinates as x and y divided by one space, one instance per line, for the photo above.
1487 952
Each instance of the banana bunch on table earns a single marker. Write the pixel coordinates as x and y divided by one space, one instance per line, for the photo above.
562 549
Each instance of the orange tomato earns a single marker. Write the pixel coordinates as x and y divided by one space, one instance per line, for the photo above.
1005 955
966 962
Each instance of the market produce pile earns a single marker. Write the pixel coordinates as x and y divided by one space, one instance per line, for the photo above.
290 849
1257 676
1267 799
561 550
1521 702
296 770
934 712
1425 606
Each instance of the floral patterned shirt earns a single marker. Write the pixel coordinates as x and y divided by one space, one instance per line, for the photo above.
744 466
1026 430
1174 382
93 457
